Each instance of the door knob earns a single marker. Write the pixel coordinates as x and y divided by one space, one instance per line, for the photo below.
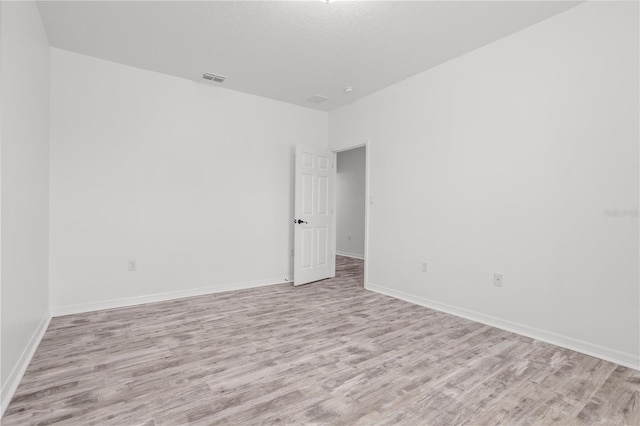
299 221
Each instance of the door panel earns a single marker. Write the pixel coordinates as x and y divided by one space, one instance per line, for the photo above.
314 185
307 244
323 246
323 195
307 194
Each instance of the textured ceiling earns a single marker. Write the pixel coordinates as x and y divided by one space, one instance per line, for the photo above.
288 51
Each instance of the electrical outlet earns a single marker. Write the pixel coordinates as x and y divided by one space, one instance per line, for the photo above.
132 266
425 267
497 279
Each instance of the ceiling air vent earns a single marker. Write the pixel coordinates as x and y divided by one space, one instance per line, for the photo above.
213 77
317 99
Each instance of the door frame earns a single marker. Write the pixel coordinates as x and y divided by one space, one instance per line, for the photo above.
367 201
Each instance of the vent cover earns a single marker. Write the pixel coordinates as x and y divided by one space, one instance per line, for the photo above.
317 99
213 77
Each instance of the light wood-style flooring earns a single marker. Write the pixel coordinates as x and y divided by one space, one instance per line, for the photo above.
325 353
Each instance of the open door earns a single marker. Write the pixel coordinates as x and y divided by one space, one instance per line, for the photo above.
314 215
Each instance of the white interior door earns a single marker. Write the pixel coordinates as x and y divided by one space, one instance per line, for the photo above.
314 215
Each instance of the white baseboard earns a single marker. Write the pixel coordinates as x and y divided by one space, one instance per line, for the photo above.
602 352
57 311
11 384
347 254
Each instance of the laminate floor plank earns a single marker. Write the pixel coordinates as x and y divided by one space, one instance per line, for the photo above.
324 353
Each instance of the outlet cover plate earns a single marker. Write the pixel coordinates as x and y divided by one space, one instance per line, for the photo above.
497 279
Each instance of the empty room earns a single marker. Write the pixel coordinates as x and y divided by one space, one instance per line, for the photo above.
319 212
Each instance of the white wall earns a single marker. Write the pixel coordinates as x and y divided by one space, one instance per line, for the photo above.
506 159
24 165
192 181
350 202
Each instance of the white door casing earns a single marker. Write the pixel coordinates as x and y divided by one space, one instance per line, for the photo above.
314 210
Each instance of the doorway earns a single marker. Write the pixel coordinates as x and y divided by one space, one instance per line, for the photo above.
351 207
